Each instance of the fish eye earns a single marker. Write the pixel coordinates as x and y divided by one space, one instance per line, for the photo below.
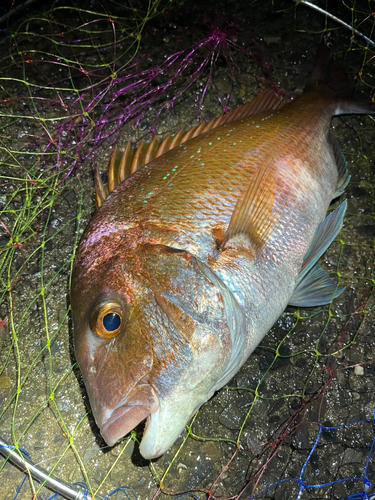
112 322
106 319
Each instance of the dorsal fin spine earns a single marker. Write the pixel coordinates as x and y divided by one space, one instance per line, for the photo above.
122 166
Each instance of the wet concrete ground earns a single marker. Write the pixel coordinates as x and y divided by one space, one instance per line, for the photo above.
323 373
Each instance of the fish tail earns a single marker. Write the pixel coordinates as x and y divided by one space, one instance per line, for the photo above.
330 75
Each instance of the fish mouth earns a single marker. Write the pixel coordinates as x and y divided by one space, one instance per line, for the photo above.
139 404
165 425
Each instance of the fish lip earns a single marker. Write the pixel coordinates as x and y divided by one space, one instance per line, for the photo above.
114 429
129 412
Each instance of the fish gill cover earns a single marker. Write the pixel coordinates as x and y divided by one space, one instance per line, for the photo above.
297 420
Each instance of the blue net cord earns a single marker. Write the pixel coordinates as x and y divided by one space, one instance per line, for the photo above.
365 495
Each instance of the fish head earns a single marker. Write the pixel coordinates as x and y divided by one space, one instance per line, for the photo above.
113 349
151 339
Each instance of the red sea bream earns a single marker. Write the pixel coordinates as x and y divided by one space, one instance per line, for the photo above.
191 259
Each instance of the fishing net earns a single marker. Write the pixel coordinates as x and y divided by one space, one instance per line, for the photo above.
297 420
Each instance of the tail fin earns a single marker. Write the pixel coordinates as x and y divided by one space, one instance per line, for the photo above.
331 75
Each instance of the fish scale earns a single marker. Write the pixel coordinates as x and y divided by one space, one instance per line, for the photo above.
198 253
224 179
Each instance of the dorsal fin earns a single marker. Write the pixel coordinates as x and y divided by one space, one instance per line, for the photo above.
122 165
264 102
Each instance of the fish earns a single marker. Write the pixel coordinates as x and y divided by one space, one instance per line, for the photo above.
198 245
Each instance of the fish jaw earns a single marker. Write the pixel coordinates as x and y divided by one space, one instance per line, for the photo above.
175 410
120 394
132 410
163 428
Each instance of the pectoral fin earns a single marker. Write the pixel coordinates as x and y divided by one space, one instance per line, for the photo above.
253 214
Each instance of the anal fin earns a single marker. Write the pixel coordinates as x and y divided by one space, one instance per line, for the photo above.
342 169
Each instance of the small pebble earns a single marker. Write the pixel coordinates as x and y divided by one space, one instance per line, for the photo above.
358 370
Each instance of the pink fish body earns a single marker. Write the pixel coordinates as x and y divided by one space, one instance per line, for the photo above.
191 260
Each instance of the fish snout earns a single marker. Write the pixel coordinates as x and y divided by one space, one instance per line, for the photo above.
139 404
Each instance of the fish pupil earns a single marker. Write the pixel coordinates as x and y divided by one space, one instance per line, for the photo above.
111 322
